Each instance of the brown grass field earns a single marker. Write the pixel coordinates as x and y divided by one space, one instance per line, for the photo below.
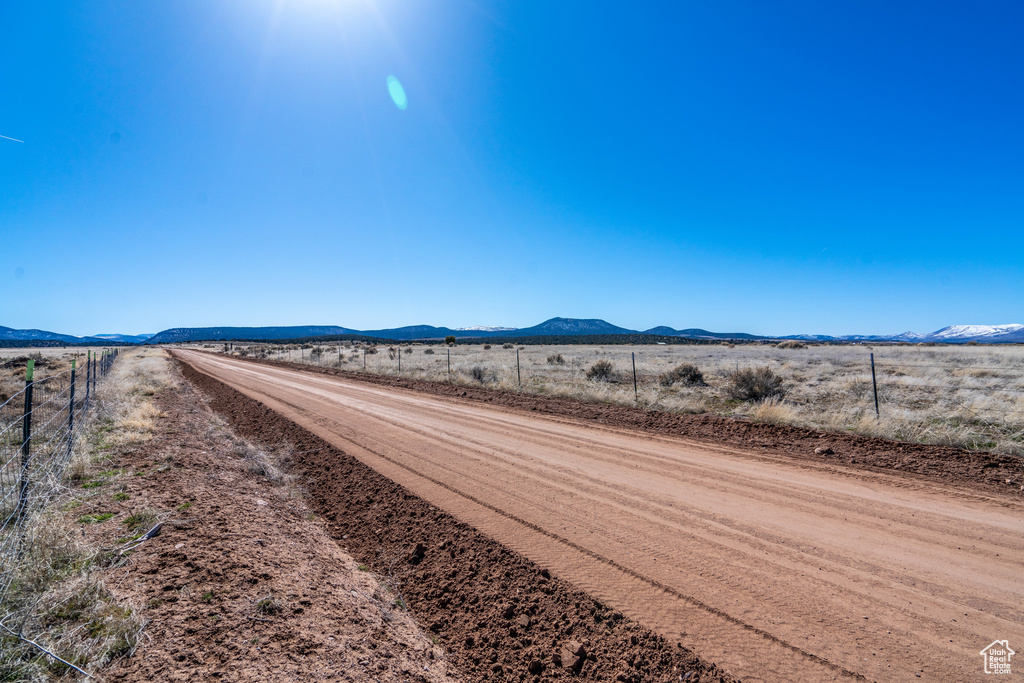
966 396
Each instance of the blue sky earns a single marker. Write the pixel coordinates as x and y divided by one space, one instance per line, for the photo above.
775 168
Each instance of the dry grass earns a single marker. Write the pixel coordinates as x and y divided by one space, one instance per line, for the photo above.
968 396
58 597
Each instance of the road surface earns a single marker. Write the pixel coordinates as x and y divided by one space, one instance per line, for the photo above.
774 568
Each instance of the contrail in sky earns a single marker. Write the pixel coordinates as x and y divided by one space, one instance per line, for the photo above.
15 139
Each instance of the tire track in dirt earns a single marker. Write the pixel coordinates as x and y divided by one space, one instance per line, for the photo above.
501 617
737 535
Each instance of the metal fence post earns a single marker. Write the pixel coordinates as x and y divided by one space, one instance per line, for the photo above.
519 372
71 406
399 361
88 375
874 384
449 364
26 440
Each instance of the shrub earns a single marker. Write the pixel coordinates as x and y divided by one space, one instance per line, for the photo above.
480 374
687 373
791 344
487 347
601 371
755 384
506 346
428 352
370 350
556 360
450 340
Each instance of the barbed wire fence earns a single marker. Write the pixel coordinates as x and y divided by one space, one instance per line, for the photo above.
38 429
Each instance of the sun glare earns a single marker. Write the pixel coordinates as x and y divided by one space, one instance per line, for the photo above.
397 93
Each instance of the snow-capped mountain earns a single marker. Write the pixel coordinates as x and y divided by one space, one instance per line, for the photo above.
952 334
977 332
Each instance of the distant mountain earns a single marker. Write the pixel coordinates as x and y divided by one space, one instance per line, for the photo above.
555 328
570 326
11 334
981 333
186 334
485 328
952 334
411 332
851 337
697 333
124 338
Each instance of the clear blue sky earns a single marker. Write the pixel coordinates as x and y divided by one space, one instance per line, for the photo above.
768 167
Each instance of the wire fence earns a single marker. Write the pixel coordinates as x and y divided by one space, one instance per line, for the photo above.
38 428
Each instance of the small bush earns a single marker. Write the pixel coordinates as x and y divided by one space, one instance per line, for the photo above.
428 352
450 340
755 384
506 346
556 360
791 344
601 371
686 373
480 374
370 350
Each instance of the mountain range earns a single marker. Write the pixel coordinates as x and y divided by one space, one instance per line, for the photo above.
555 327
8 334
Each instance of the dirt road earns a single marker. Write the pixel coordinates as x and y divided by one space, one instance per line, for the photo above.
776 569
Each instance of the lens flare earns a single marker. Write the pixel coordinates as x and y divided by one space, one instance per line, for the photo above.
397 93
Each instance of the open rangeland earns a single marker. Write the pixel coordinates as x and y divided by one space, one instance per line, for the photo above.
775 565
964 395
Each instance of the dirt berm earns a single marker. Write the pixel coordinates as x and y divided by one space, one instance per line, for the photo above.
500 616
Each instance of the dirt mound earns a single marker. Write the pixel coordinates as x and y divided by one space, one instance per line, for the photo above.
1002 474
500 616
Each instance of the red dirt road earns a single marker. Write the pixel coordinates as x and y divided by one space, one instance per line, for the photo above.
776 569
